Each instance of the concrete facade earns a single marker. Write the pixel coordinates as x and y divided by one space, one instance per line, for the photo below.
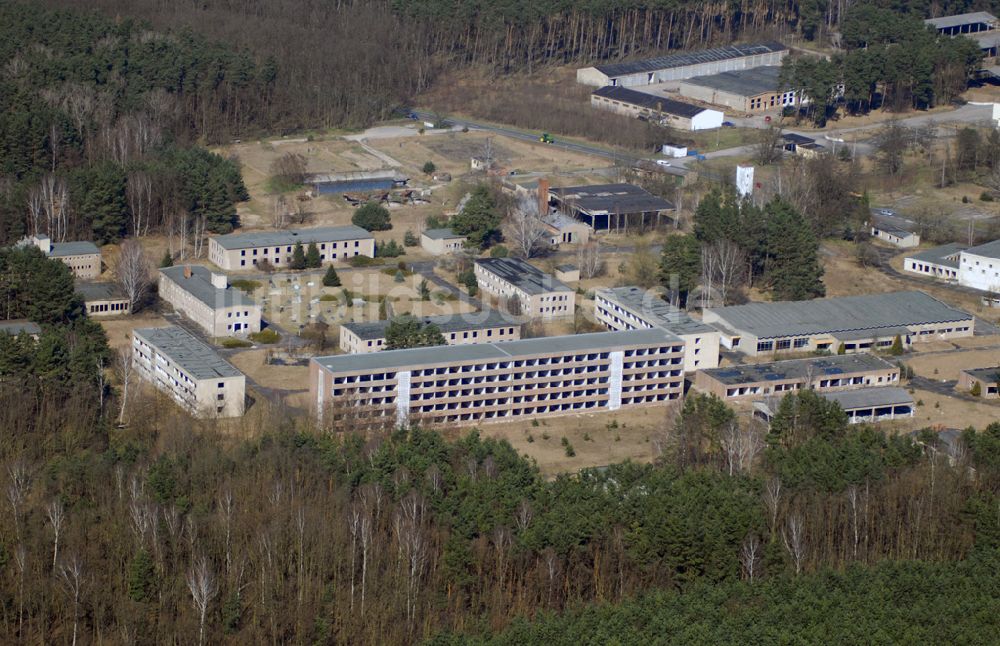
197 378
659 109
979 267
863 406
103 299
749 91
207 299
634 308
442 241
682 65
822 374
894 230
529 378
564 229
987 378
242 251
539 294
83 258
859 323
461 329
938 262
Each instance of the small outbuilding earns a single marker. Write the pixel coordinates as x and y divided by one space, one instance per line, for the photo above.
675 150
987 380
568 273
104 299
441 241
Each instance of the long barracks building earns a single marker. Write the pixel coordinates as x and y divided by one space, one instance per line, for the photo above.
494 382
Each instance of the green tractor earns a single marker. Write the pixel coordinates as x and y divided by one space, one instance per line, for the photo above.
546 138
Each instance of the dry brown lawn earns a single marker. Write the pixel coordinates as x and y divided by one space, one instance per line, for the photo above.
119 330
251 363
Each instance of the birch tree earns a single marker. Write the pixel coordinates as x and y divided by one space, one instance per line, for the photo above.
203 587
71 577
56 514
132 273
524 230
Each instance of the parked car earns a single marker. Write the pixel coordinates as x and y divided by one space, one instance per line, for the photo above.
728 124
662 162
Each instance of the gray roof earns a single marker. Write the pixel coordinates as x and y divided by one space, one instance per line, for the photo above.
291 236
829 315
524 275
946 255
566 267
100 291
870 397
751 82
866 335
947 22
419 357
200 286
78 248
442 234
17 326
611 198
987 39
987 250
795 138
559 220
447 324
649 101
191 355
798 368
689 58
988 375
893 224
648 305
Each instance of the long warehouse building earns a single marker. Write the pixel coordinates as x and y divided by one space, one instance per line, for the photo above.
675 67
659 109
858 323
488 326
563 375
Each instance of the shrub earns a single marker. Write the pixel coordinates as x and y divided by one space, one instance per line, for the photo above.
231 343
976 390
326 298
167 260
425 290
390 249
298 260
429 168
372 217
313 259
399 277
265 266
568 448
248 286
897 347
985 196
360 261
267 335
499 251
410 239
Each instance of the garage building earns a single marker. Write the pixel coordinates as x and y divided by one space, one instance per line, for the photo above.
745 91
659 109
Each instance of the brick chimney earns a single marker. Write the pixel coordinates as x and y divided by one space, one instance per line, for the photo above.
543 197
187 271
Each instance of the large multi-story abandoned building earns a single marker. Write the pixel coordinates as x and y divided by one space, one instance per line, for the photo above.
538 295
207 299
82 257
823 374
238 251
857 323
192 373
632 308
675 67
529 378
489 326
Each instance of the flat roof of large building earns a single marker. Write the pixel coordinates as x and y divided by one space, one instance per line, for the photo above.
893 224
17 326
291 236
77 248
93 291
611 198
987 250
870 397
798 368
957 20
419 357
751 82
652 308
192 355
524 275
690 58
829 315
946 254
200 286
650 101
988 375
447 324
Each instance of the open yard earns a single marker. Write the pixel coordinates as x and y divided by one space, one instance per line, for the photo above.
295 300
119 330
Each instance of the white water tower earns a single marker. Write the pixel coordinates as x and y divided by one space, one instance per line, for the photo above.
744 180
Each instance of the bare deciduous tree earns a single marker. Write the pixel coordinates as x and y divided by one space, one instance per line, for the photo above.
588 259
794 538
741 446
767 149
727 263
139 192
772 500
132 273
750 553
17 492
290 168
124 368
279 211
71 576
524 229
203 587
56 514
